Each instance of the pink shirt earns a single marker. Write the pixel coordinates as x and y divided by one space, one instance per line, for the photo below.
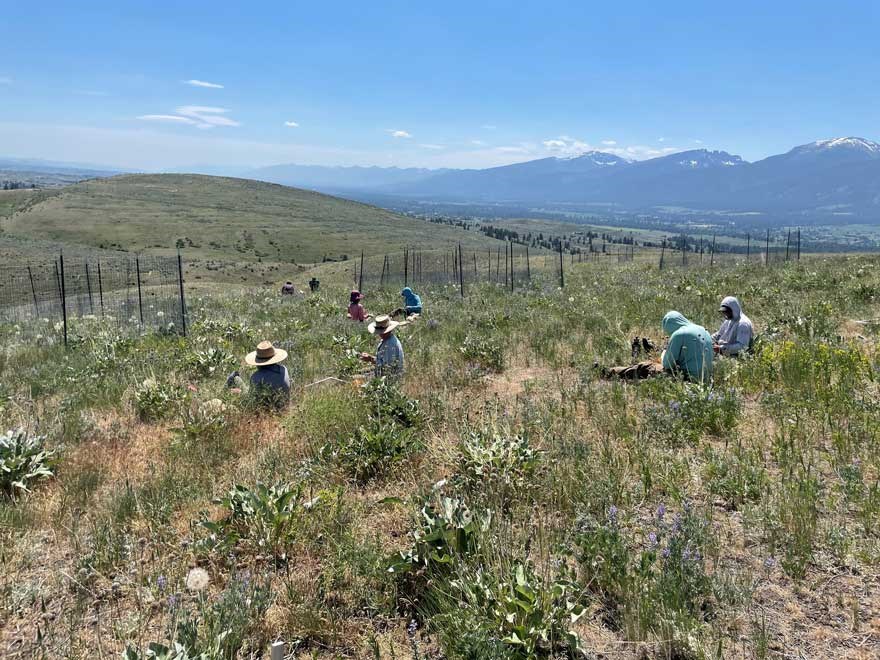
357 312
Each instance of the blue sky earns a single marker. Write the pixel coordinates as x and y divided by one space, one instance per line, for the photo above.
460 84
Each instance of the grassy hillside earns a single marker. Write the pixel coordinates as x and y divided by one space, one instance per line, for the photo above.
519 499
223 219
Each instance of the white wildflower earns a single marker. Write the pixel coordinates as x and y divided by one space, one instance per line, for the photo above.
160 315
197 579
214 407
59 327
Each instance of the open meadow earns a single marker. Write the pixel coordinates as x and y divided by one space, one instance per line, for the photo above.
504 502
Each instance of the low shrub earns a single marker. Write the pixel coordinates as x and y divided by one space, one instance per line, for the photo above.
24 462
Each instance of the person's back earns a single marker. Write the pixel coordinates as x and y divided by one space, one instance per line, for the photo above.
271 385
412 302
389 358
690 348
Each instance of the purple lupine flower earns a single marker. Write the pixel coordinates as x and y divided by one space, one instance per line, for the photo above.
666 552
612 514
676 523
652 540
686 555
411 628
674 406
161 582
172 600
661 511
769 563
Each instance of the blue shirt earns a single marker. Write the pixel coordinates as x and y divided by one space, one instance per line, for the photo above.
389 358
272 383
690 348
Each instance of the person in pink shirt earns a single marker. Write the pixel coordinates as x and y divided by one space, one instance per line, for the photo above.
356 311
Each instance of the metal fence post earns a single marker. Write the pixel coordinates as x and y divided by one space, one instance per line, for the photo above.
100 290
662 253
528 265
712 258
460 272
63 297
361 278
89 289
137 265
767 252
182 301
33 291
799 244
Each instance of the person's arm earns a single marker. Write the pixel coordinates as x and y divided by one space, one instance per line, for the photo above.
670 355
741 340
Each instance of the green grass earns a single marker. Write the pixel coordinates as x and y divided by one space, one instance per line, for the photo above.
222 220
527 508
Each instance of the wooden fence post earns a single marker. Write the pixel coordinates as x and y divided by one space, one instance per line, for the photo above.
561 268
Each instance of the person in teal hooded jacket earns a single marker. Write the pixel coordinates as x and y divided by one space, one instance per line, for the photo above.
689 352
412 303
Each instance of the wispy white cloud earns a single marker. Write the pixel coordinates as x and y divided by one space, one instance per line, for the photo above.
200 116
609 143
432 146
202 83
5 80
174 119
396 133
291 124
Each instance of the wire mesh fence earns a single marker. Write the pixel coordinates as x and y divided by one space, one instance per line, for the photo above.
132 293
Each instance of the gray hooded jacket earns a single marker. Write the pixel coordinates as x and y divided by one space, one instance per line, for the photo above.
736 334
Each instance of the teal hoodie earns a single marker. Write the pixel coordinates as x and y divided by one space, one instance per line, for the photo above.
690 348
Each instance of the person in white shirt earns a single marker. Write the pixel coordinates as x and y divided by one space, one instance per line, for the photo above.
736 333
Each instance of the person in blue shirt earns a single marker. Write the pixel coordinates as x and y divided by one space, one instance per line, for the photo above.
689 352
412 303
270 383
389 354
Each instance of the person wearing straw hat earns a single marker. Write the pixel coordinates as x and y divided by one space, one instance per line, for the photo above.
356 311
270 383
389 354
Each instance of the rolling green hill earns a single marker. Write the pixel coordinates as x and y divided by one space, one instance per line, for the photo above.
223 219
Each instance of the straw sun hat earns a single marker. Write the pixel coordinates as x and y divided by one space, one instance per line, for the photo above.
383 324
265 355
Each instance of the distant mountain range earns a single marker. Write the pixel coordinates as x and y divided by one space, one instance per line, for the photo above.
321 177
833 180
837 178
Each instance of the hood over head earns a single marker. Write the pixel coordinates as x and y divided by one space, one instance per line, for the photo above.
734 306
674 321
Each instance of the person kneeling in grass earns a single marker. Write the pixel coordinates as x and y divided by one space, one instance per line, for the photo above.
688 355
389 354
356 311
412 304
736 333
270 383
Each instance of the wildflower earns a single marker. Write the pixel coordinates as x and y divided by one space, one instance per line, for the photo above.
197 579
665 553
769 563
411 628
661 511
160 314
612 514
674 406
149 383
172 600
214 407
161 582
652 540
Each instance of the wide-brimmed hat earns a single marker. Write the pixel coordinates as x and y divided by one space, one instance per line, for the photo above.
356 296
383 324
265 355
